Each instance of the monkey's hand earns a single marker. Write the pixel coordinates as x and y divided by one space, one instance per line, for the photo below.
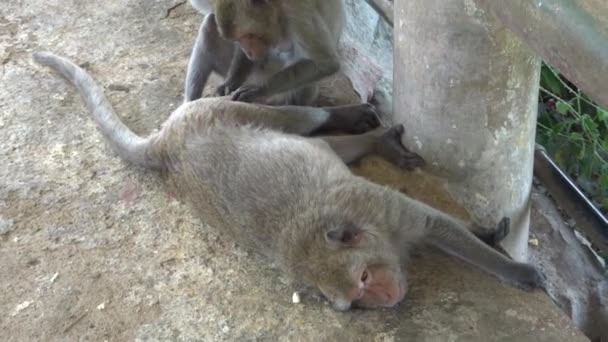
352 119
389 147
249 93
226 88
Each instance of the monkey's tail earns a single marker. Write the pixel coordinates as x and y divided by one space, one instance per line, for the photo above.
124 142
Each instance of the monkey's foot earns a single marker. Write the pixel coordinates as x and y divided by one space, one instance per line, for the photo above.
494 237
527 277
389 147
352 119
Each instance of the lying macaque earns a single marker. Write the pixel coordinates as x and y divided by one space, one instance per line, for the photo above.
292 198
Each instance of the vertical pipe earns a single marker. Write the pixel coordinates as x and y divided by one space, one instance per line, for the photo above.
466 90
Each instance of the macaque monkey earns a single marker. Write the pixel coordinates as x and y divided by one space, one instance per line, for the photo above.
268 51
324 226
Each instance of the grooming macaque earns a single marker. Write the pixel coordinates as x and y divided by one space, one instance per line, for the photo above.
324 226
268 51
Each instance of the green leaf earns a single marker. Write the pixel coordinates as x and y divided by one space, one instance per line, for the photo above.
563 127
590 126
576 137
558 158
562 107
588 165
582 153
602 116
550 81
603 180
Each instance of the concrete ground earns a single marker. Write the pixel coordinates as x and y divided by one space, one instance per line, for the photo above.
94 250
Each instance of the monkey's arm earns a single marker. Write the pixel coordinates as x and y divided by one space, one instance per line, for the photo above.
302 120
297 75
200 65
381 141
320 59
300 74
451 236
240 69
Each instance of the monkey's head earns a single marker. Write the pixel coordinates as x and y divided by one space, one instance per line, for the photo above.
254 24
351 263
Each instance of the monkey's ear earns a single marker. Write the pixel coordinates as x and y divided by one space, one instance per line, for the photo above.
347 235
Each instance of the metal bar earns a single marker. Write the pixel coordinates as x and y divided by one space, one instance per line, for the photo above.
589 219
571 35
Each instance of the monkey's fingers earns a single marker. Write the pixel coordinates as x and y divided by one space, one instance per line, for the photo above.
391 149
222 90
492 237
411 162
504 228
352 119
366 120
248 93
226 88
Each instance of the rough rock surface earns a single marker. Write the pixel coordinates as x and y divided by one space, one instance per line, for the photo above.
97 250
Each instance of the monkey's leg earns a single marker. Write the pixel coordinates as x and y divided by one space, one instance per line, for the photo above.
447 234
382 141
299 119
351 148
210 53
307 120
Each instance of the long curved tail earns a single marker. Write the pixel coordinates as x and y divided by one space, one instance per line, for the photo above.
124 142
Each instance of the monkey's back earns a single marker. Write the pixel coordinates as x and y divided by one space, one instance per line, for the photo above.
250 181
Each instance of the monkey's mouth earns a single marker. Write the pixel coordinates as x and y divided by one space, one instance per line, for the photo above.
381 299
402 292
254 46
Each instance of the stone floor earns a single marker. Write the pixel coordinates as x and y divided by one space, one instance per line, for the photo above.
94 250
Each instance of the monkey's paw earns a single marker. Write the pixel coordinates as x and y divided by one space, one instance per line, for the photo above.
364 119
494 237
528 277
249 93
389 147
354 119
226 88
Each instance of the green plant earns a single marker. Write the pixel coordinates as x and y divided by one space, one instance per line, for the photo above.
574 130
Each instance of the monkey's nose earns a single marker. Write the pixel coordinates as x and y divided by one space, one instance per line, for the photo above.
394 297
401 292
342 305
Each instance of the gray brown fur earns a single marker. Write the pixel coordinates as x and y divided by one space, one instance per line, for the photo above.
303 37
293 198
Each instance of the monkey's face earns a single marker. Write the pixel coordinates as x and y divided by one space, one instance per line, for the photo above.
354 266
253 24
